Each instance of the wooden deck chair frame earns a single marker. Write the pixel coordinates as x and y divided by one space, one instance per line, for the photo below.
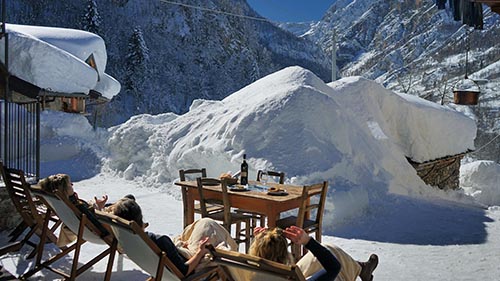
34 213
303 219
231 261
85 230
137 245
197 209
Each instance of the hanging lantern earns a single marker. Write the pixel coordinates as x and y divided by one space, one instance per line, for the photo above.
466 91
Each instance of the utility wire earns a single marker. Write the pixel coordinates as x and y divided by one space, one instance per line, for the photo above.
216 11
486 144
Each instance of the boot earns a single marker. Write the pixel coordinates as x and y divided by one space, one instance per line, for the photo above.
368 267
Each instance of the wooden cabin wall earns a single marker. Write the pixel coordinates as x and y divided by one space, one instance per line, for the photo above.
74 104
442 173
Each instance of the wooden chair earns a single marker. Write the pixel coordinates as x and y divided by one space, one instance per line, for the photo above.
33 212
87 229
226 216
313 199
255 215
199 173
136 244
239 266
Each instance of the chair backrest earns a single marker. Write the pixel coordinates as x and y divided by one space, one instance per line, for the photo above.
279 175
204 200
313 201
199 173
19 192
71 216
134 242
239 266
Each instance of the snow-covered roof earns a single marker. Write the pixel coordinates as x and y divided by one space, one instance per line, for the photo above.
54 58
423 130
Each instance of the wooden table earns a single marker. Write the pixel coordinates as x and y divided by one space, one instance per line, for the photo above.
252 200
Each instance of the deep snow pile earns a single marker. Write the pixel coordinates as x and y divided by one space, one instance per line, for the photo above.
292 121
70 145
481 179
424 130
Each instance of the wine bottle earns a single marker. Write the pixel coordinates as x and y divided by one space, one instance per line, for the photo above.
244 171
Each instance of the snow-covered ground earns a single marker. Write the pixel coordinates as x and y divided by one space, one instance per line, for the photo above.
353 133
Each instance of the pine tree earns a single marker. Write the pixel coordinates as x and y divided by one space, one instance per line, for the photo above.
136 65
91 20
255 72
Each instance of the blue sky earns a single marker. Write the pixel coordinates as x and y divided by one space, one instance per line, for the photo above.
291 10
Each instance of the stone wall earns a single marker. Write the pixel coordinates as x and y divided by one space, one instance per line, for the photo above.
9 218
443 173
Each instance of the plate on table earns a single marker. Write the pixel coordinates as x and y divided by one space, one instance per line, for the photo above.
278 193
238 188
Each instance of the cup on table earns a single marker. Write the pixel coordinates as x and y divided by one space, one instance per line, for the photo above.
264 177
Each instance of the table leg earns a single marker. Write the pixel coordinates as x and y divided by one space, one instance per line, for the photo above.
188 207
272 217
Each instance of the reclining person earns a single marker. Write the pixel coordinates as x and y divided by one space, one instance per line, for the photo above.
63 184
322 262
190 249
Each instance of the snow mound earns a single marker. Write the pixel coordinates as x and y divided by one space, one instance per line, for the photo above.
289 121
70 145
422 129
481 179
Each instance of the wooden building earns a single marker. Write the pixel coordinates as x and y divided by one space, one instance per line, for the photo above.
443 173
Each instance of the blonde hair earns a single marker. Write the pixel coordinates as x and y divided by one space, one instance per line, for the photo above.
56 182
271 244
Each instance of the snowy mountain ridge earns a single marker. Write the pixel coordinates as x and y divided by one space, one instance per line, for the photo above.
403 44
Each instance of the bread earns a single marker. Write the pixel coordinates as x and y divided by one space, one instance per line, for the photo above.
225 176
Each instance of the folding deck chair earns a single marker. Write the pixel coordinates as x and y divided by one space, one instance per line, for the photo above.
137 245
35 215
243 267
85 228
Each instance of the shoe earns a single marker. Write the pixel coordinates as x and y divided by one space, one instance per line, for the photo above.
368 267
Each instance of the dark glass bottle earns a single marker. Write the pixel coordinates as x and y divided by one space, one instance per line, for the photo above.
244 171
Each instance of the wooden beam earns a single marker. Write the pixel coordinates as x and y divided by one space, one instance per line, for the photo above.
494 4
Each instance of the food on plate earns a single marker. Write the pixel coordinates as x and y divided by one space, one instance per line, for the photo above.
225 176
229 179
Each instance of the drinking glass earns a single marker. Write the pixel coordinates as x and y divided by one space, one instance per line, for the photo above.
263 178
